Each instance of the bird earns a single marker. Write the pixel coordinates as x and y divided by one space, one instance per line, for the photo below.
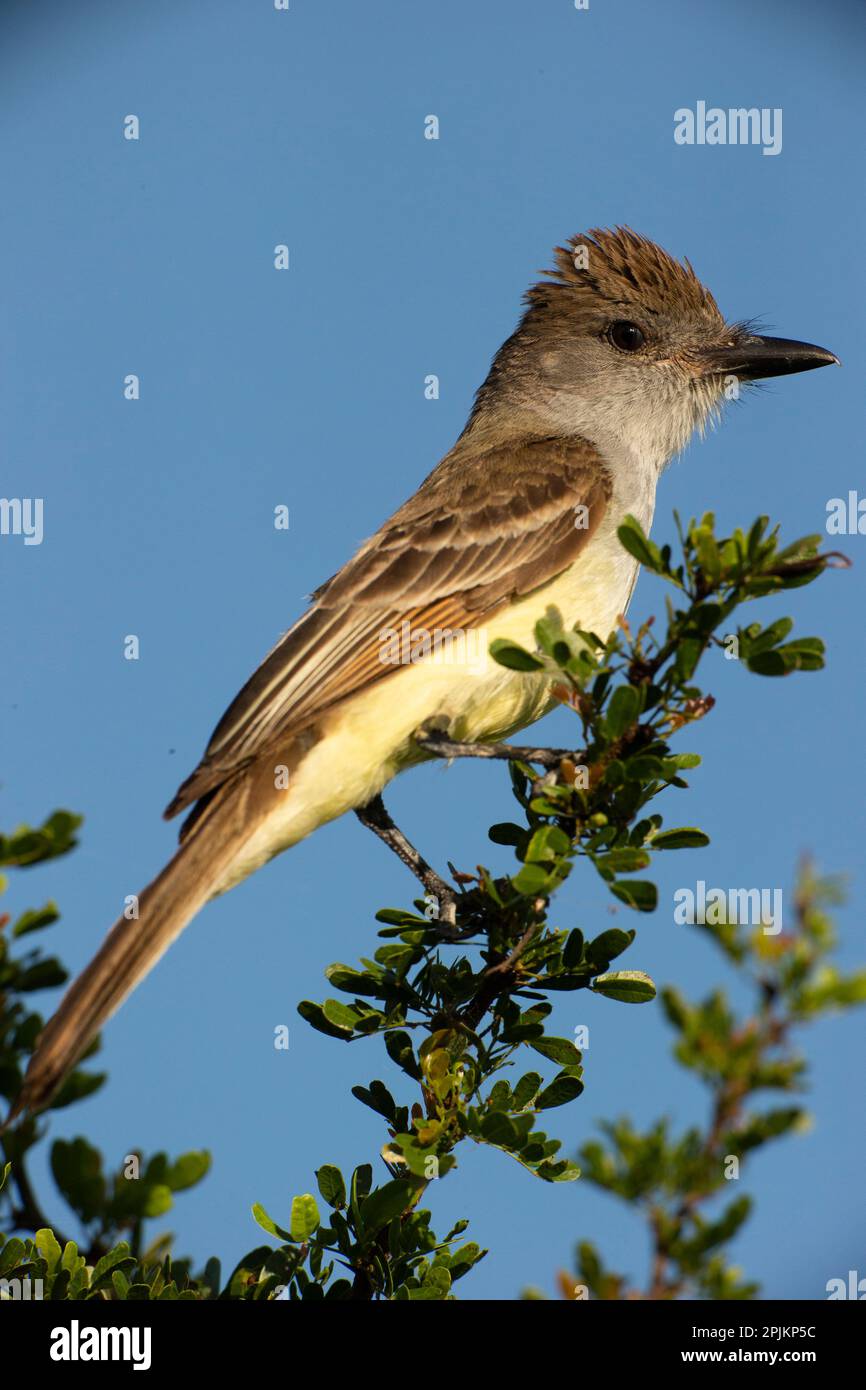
621 354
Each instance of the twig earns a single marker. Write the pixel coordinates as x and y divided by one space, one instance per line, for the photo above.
498 977
442 747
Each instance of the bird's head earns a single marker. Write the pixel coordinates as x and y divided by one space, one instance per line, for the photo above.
621 339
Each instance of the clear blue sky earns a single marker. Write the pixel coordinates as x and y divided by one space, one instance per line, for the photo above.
408 257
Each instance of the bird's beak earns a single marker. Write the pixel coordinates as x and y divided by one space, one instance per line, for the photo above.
752 358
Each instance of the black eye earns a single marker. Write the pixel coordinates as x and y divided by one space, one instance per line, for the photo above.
626 336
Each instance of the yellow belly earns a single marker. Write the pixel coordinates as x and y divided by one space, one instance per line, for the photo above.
369 739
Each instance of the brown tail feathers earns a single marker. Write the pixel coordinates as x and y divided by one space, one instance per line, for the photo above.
133 947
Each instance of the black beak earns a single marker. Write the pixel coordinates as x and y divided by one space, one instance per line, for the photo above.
753 358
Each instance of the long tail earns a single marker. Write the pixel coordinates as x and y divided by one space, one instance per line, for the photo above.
133 947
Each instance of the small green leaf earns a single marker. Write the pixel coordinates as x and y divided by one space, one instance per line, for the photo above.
629 986
48 1246
622 711
377 1097
267 1223
506 833
305 1217
633 537
572 951
36 919
637 893
532 879
498 1129
385 1203
549 630
398 1046
770 663
684 837
316 1017
340 1015
609 945
687 657
525 1089
561 1050
547 844
188 1170
332 1185
561 1090
512 656
119 1258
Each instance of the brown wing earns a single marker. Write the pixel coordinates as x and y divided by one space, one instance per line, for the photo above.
484 529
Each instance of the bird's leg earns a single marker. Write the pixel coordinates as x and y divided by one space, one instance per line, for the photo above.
377 819
440 746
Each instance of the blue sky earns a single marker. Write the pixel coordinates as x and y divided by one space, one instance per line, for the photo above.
305 388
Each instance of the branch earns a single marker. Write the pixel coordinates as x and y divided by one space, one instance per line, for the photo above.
441 747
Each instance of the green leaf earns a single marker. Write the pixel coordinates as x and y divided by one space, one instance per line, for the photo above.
340 1015
435 1287
771 636
684 837
10 1255
629 986
645 767
805 653
77 1086
564 1171
572 951
398 1045
45 974
385 1203
561 1050
305 1217
622 711
509 654
525 1089
267 1223
561 1090
506 833
119 1258
687 657
28 846
636 893
633 537
378 1098
548 843
770 663
316 1017
549 631
36 919
497 1128
622 861
609 945
48 1246
332 1185
187 1170
533 879
77 1170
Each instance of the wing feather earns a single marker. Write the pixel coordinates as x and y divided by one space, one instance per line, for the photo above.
484 529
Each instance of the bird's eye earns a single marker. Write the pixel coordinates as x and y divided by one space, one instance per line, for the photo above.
626 336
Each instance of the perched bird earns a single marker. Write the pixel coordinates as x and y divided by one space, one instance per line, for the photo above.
620 355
